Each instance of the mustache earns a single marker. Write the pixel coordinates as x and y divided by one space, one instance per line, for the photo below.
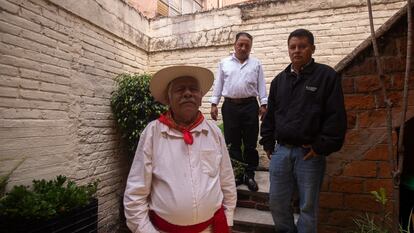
185 101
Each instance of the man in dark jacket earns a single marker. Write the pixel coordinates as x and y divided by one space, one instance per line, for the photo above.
305 122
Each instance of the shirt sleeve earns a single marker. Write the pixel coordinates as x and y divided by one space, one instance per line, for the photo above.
334 125
228 184
138 187
218 86
262 86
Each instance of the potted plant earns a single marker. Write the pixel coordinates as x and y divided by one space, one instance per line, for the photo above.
58 205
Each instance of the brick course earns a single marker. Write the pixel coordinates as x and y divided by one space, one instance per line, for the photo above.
372 170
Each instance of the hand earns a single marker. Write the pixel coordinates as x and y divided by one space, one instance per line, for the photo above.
214 112
310 154
262 112
269 154
230 229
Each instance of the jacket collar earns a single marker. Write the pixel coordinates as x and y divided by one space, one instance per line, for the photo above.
306 69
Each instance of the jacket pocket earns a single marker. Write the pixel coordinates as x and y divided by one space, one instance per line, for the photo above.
210 162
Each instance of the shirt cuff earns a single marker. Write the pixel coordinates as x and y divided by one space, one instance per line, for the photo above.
214 100
229 217
147 228
263 101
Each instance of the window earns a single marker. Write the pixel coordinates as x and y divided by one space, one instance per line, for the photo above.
178 7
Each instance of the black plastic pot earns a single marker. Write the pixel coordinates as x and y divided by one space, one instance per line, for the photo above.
79 220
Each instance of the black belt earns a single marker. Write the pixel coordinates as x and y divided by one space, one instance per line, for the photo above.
240 100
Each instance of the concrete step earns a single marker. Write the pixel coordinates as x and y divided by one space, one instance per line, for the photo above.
254 221
260 199
256 200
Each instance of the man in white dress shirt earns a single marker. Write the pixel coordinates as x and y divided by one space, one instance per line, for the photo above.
240 80
181 179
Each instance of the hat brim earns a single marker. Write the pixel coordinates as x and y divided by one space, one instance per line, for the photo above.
161 79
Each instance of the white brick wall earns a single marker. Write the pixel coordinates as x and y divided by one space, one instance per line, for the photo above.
57 73
58 59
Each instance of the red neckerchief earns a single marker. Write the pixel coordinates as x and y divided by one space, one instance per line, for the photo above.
166 119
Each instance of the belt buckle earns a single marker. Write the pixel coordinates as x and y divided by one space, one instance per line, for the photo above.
238 101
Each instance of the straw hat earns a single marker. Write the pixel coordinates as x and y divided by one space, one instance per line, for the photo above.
161 79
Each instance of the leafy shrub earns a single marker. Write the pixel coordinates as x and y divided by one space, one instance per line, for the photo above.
133 106
46 199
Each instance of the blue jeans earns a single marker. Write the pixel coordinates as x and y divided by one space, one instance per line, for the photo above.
288 172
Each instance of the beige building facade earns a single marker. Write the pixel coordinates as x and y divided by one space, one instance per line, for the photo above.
154 8
59 58
210 4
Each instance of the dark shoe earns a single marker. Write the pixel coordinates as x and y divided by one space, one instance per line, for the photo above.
251 184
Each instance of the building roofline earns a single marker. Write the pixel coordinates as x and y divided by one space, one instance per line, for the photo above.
367 42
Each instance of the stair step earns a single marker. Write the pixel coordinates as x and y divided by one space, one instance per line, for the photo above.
254 221
256 200
251 215
260 199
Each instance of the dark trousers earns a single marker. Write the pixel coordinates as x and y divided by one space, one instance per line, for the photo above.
241 127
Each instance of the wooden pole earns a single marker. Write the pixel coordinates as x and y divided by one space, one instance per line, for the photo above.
400 159
392 157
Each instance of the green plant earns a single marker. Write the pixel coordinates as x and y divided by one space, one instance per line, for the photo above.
133 106
368 224
380 196
238 167
371 224
5 178
46 199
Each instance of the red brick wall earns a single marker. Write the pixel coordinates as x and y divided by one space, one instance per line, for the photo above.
363 164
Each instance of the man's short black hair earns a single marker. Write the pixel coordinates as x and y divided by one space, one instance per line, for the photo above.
302 33
238 35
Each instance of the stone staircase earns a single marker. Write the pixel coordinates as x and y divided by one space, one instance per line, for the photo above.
252 214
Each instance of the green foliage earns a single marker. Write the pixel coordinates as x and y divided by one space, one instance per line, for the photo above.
368 224
46 199
380 196
383 224
133 106
238 167
4 179
221 127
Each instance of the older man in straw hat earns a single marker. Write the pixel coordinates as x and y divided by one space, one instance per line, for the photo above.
181 180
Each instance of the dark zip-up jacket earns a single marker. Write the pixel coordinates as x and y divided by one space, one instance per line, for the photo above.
306 109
